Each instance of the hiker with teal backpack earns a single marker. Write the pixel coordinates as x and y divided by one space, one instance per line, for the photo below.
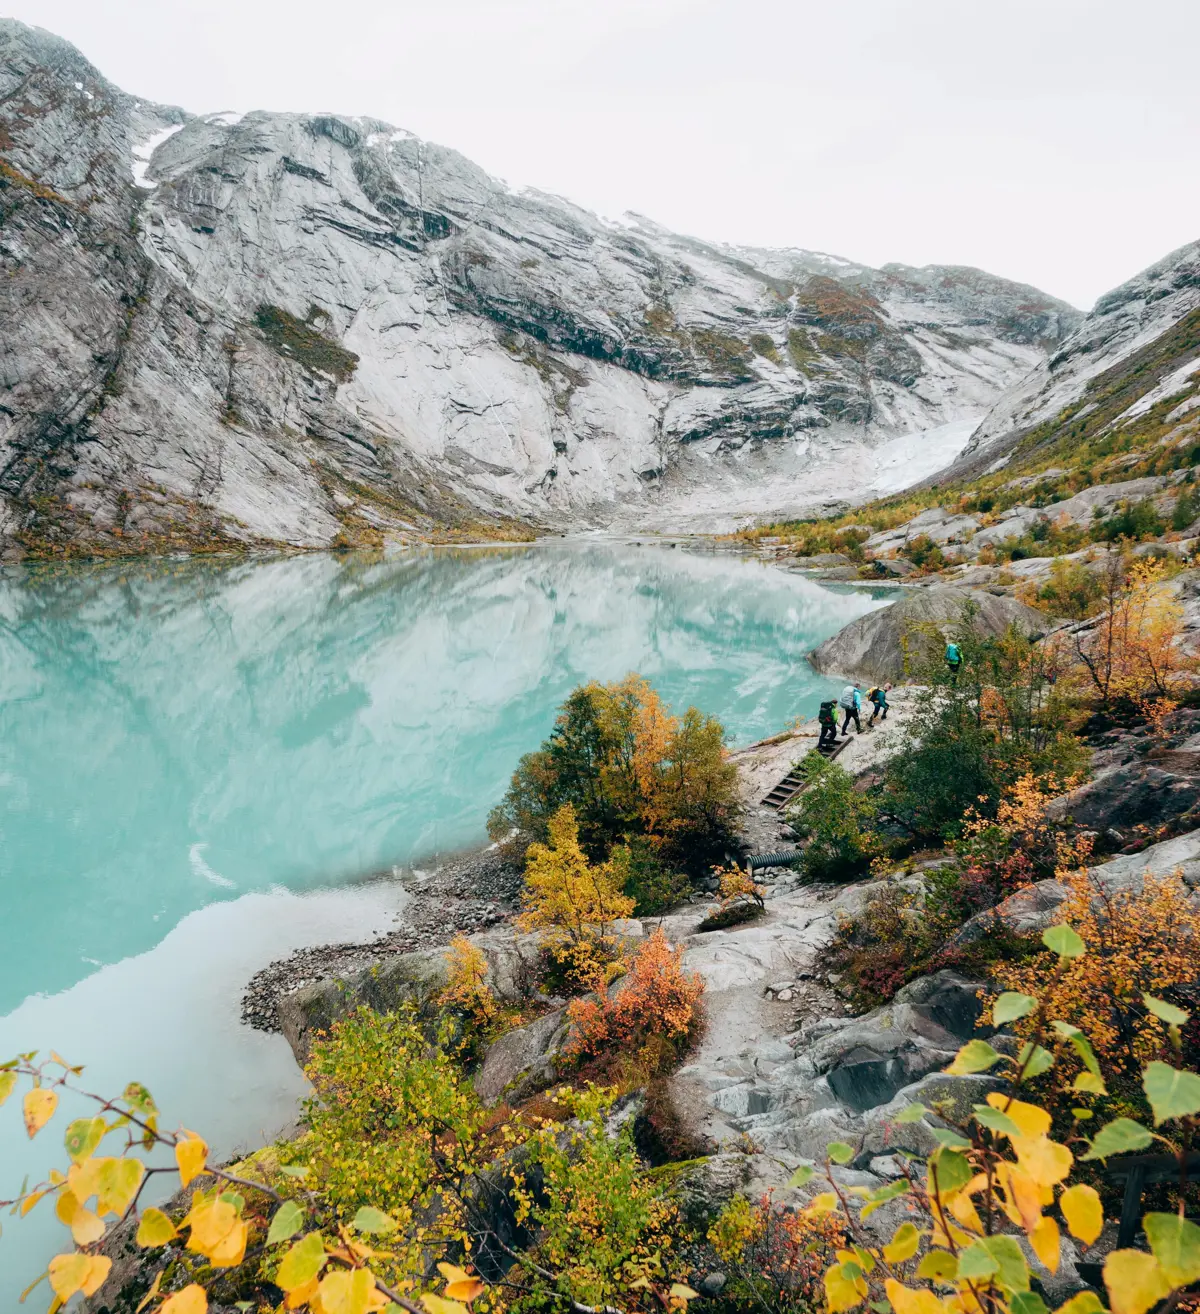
953 660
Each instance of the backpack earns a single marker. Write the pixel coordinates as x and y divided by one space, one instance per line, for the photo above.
847 698
874 695
953 656
827 716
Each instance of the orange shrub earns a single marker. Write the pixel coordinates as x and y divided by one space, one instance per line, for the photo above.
737 886
1137 944
648 1018
776 1258
1133 652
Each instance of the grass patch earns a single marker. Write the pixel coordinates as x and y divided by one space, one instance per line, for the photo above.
303 341
764 346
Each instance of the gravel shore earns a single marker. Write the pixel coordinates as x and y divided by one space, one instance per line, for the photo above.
466 893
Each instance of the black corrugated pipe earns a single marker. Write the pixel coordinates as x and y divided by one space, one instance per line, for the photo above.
756 860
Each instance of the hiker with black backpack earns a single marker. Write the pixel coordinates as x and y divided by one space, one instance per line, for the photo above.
827 719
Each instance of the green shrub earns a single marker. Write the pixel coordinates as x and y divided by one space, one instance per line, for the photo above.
924 553
603 1224
379 1085
1072 590
734 914
971 734
1186 508
836 820
645 878
1132 520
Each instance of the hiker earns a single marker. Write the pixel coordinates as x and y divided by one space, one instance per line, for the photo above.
877 697
953 660
851 701
827 719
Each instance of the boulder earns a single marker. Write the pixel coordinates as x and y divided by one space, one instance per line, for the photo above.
896 567
954 1096
701 1188
1137 797
825 560
937 524
873 646
943 1004
384 986
413 978
869 1059
1028 911
521 1062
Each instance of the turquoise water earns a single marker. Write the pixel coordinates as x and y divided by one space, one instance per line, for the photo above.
200 762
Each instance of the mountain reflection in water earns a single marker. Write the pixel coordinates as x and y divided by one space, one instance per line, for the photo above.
173 733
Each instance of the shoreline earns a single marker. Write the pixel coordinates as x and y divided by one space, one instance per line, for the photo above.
473 890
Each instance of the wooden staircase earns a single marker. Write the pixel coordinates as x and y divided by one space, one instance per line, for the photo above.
794 782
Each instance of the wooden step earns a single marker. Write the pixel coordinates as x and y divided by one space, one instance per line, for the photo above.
793 783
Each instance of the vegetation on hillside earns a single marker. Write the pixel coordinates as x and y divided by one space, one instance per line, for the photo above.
1096 440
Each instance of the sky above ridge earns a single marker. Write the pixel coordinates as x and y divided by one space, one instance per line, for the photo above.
1056 142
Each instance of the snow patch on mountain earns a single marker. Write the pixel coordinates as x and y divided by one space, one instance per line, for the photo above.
143 153
909 459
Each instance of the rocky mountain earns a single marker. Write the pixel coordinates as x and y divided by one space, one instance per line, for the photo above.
311 329
1130 375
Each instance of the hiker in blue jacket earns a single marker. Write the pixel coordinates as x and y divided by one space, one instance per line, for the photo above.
851 704
953 660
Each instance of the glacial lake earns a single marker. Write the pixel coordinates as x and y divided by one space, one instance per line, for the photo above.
204 765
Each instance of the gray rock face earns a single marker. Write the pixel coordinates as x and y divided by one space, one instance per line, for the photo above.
1139 330
873 647
1137 798
868 1060
290 328
405 978
1078 510
413 978
521 1062
1030 910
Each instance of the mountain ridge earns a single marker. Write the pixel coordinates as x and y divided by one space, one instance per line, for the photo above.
315 330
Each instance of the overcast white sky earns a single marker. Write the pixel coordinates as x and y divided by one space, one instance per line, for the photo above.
1052 141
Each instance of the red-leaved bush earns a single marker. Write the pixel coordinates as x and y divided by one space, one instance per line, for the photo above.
648 1016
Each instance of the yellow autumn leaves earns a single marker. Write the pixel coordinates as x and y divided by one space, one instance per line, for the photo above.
77 1272
975 1190
38 1107
191 1154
